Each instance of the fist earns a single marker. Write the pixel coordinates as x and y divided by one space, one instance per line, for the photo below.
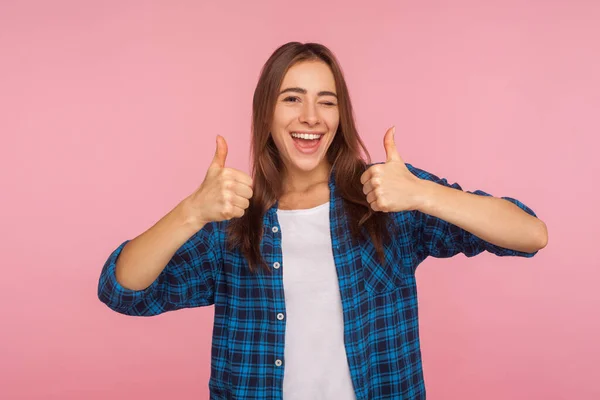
224 194
390 186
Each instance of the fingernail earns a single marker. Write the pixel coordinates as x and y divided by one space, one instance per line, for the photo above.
394 131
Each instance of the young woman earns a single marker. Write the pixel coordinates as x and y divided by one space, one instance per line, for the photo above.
310 262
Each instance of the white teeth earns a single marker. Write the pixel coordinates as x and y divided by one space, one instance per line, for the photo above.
307 136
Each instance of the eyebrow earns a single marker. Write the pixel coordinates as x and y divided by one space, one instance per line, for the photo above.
304 91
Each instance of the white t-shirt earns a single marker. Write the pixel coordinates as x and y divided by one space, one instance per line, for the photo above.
316 366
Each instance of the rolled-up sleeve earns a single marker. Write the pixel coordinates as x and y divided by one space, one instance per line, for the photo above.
441 239
187 280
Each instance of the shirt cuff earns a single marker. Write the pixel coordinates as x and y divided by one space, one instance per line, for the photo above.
113 294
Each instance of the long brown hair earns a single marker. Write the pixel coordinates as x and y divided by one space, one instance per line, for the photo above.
344 156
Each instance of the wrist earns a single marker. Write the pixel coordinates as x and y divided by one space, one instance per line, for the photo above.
425 199
187 219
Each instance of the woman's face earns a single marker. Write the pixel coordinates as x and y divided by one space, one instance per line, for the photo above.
306 116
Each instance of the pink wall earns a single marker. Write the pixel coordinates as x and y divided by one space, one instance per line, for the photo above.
108 114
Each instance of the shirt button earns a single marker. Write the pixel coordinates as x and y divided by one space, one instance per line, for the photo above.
278 363
275 229
276 265
280 316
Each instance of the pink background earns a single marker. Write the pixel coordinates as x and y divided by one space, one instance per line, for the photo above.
108 116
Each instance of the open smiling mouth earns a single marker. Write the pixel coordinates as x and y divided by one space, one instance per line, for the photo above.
306 142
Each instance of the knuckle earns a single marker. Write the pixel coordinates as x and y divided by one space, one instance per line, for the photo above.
225 175
228 184
227 211
226 196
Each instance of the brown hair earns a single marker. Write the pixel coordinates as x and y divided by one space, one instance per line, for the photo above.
344 155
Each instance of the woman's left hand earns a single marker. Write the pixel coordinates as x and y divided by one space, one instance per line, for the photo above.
391 186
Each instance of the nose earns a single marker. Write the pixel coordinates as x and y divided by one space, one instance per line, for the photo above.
309 114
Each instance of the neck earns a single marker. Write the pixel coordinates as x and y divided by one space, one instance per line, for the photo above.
301 181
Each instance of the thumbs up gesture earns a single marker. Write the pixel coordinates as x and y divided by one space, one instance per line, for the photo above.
224 194
390 186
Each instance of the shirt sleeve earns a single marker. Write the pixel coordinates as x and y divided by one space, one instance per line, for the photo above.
438 238
187 280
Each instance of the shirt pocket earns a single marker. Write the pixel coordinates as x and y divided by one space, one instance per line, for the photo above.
380 278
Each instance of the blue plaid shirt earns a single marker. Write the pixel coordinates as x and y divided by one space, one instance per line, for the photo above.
381 329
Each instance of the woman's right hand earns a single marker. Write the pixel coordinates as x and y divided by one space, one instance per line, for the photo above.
224 194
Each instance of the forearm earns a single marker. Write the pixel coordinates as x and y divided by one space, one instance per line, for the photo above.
492 219
145 257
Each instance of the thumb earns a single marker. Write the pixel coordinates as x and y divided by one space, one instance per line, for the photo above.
221 153
390 145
